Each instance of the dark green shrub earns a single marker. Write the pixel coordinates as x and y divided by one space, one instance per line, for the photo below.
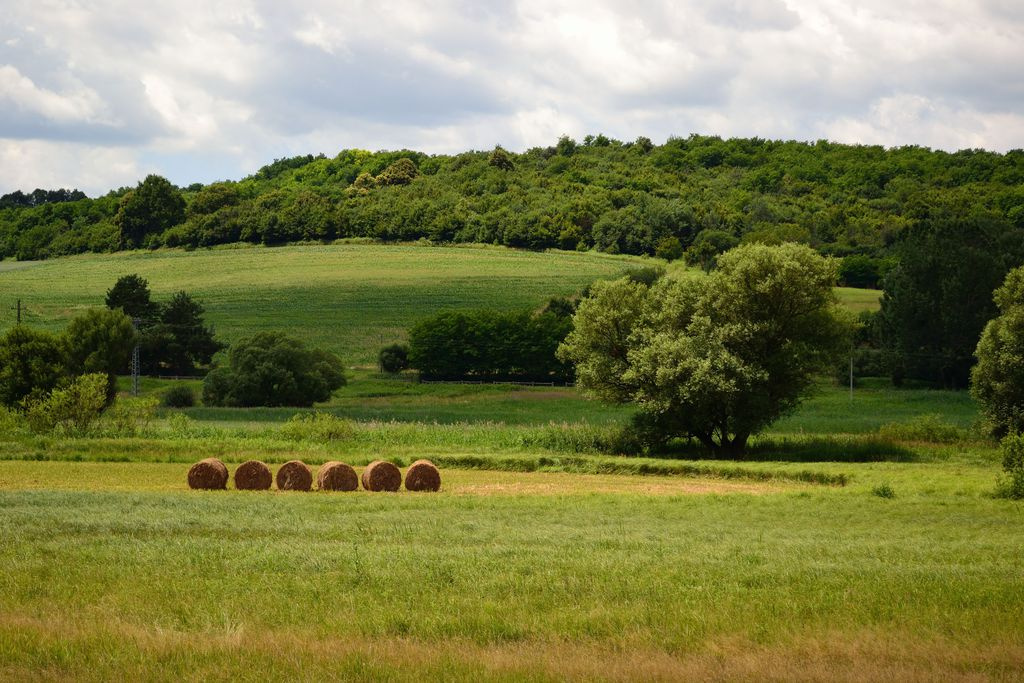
393 358
669 249
100 340
179 396
646 276
707 246
859 271
490 346
273 369
31 362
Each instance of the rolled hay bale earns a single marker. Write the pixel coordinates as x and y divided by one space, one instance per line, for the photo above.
381 475
423 475
253 475
336 476
294 475
208 474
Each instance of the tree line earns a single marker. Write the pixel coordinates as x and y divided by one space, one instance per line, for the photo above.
695 196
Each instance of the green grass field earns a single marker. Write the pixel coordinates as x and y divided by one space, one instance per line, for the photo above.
535 562
116 571
858 541
351 299
859 299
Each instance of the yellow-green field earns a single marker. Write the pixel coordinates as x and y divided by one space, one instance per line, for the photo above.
116 571
859 299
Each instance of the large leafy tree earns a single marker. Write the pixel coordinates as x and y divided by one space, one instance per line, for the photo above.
717 358
939 297
152 207
31 362
273 369
997 381
100 341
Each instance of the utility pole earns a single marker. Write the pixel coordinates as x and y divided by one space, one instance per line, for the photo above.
851 377
135 360
18 309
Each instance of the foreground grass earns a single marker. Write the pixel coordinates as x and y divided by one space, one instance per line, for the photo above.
812 583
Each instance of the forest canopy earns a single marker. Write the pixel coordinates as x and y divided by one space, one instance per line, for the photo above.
598 193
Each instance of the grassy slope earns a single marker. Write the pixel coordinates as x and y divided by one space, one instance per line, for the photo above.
348 298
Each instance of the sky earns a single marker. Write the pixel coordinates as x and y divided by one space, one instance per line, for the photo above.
97 94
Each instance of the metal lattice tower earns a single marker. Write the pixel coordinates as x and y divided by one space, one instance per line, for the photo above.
135 361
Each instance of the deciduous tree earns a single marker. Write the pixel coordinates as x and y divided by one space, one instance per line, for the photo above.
716 358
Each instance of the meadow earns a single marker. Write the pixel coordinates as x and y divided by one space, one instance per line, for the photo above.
858 540
349 298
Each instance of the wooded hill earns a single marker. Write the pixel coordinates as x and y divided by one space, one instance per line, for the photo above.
602 194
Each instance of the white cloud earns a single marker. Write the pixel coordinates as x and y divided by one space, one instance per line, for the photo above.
28 164
201 89
78 104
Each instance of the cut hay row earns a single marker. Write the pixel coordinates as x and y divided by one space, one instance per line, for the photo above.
295 475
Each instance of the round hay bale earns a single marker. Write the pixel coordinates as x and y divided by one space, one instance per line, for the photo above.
294 475
253 475
381 475
336 476
423 475
208 474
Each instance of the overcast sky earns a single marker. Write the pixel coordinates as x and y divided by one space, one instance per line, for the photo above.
95 95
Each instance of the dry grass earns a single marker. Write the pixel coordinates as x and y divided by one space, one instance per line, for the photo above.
102 476
75 651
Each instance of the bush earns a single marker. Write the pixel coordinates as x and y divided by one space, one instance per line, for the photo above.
10 421
859 271
182 426
129 416
883 491
669 249
646 275
317 426
490 346
31 362
179 396
73 410
393 358
273 369
707 246
1012 485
